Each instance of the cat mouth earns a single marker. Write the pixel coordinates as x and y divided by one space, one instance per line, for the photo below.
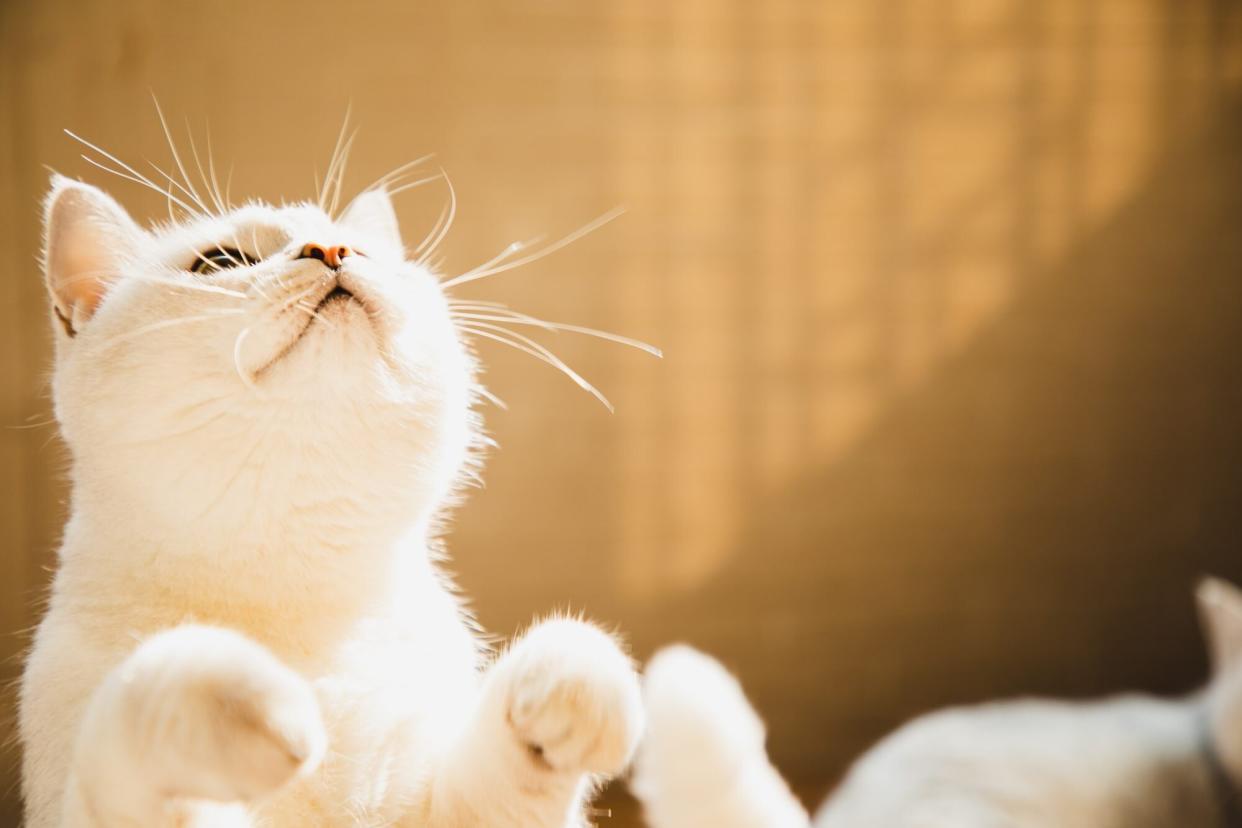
337 304
334 306
337 294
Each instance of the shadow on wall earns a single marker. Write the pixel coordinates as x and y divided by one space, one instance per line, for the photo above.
1005 532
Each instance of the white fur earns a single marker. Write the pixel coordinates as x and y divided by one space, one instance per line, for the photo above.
248 624
702 763
1133 761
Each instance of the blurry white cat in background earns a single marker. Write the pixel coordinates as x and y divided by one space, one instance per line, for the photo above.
1129 762
268 409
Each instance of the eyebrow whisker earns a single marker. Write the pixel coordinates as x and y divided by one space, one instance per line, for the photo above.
340 175
332 162
211 169
202 174
133 175
172 146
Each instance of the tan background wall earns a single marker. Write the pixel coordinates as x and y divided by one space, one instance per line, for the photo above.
950 294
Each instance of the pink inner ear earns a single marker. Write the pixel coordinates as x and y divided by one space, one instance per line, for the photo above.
86 233
78 274
85 287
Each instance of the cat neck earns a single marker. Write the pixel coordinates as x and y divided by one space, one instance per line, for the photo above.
302 587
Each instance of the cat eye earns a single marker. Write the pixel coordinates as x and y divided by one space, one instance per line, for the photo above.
220 258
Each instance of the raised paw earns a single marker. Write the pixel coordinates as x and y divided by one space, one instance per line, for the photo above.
207 713
573 698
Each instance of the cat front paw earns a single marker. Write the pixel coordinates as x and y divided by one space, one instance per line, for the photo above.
573 698
206 713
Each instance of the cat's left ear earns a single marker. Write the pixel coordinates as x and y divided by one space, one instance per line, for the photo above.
87 236
1220 612
371 213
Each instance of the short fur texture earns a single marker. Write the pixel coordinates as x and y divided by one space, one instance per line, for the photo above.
248 624
702 763
1128 762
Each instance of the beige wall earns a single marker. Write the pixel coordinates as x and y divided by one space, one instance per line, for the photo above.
949 292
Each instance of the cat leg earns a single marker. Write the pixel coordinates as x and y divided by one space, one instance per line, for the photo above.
703 760
559 711
193 714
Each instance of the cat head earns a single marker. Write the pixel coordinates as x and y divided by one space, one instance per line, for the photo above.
271 355
1220 612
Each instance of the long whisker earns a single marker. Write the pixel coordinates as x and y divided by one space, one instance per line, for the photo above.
25 426
483 272
336 151
530 346
476 303
172 146
433 241
223 291
215 195
130 174
410 185
89 275
204 212
397 172
515 318
340 174
435 228
332 161
512 250
169 323
134 175
211 170
202 174
481 391
247 380
392 176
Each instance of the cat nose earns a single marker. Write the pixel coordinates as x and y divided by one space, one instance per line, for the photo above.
331 256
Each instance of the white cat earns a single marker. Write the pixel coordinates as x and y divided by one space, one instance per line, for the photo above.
267 409
1128 762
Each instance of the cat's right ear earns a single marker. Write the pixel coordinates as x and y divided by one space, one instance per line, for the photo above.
87 236
1220 612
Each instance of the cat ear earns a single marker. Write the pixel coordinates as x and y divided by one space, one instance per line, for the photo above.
1220 612
86 236
371 213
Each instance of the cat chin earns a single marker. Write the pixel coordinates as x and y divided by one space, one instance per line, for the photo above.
348 326
339 335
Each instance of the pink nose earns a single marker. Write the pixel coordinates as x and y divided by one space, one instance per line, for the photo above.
331 256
